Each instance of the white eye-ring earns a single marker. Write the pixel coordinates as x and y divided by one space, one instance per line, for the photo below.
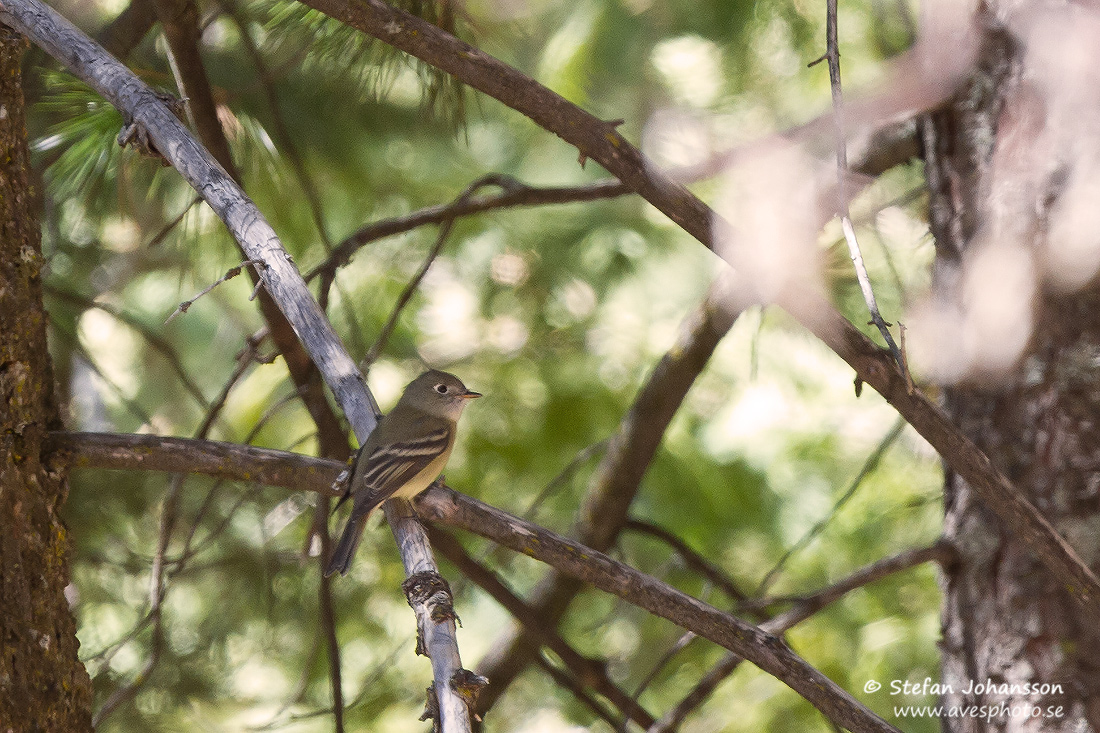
441 388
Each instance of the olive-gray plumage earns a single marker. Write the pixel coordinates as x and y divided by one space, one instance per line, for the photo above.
404 455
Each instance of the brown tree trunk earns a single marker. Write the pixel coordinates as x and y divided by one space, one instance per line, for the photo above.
1006 620
43 686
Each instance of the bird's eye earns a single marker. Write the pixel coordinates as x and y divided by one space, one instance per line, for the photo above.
441 388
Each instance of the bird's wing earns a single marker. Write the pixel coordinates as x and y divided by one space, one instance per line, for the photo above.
389 467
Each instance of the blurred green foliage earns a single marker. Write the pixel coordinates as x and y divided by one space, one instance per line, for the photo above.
557 313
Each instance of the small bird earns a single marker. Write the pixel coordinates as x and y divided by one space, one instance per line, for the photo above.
403 456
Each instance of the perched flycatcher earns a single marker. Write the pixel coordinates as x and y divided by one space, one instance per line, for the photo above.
404 455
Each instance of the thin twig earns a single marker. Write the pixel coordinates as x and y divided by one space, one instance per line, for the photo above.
868 467
832 54
414 283
583 670
245 358
513 193
229 275
686 638
802 609
569 682
167 228
563 476
691 558
806 606
154 339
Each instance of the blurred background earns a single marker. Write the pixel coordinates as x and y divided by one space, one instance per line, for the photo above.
557 313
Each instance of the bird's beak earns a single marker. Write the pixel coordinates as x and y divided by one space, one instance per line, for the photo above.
469 394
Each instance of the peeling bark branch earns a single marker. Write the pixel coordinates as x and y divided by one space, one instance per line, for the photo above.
280 277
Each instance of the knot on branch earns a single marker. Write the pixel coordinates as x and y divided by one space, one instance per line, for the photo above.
469 685
134 133
429 594
427 588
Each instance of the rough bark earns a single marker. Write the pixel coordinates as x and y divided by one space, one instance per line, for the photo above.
1005 618
43 686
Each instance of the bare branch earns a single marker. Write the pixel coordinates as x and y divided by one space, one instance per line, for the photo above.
691 558
259 241
598 141
513 193
451 508
583 670
804 608
767 652
619 474
832 54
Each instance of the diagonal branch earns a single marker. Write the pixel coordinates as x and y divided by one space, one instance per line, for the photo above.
599 141
764 650
280 277
802 609
586 564
585 671
618 477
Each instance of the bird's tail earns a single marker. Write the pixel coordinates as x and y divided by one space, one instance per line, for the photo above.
345 548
